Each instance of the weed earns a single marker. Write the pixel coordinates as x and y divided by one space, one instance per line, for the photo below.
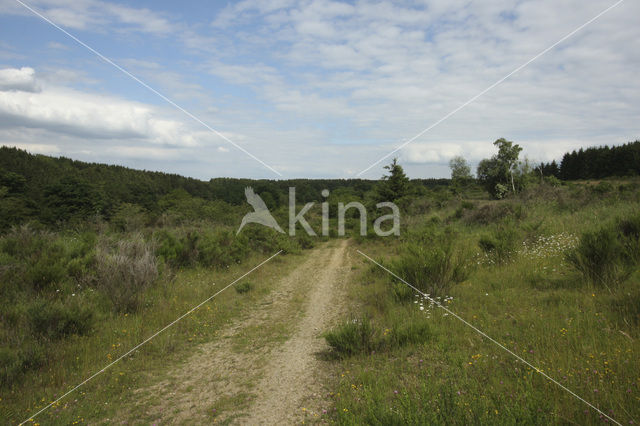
500 245
352 337
55 320
598 257
243 287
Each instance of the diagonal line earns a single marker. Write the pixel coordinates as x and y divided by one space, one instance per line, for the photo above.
149 338
483 334
472 99
127 73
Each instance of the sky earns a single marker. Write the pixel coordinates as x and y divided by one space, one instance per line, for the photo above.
315 88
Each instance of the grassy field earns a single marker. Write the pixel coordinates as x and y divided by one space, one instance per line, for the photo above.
551 274
67 329
404 360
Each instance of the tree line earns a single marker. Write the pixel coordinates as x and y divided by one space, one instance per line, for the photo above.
505 173
51 191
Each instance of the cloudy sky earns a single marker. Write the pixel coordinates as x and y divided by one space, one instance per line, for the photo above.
315 88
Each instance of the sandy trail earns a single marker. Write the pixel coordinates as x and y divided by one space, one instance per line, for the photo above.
264 368
292 374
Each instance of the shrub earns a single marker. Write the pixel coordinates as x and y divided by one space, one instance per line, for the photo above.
244 287
413 331
608 255
126 271
129 217
351 338
55 320
431 267
598 257
629 229
39 256
492 213
402 293
499 245
16 361
221 248
174 251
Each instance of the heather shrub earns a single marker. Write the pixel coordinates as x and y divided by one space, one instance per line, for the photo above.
54 320
432 267
126 271
500 244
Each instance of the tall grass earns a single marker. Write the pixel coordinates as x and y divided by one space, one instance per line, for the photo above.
608 255
431 265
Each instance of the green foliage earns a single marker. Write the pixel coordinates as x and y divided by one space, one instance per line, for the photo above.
72 199
500 173
601 162
55 320
500 244
177 252
15 361
608 255
460 170
395 185
432 266
243 287
360 336
352 337
129 217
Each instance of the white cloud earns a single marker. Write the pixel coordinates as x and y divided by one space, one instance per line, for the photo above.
323 88
80 114
94 15
22 79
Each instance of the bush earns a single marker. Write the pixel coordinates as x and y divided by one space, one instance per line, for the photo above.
597 257
629 229
608 255
410 332
174 251
125 272
244 287
351 338
221 249
500 245
432 267
358 336
54 320
402 293
492 213
16 361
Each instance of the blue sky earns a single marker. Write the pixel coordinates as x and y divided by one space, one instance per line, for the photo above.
315 88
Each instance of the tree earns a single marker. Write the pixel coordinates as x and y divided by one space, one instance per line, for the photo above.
508 157
460 170
499 171
395 185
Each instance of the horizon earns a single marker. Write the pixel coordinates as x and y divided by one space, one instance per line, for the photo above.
317 90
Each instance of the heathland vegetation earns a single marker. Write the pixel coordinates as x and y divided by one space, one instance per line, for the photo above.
93 254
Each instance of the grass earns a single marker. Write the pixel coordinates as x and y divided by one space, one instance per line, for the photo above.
533 300
69 361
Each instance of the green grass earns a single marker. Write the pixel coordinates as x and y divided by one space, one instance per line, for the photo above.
76 354
537 304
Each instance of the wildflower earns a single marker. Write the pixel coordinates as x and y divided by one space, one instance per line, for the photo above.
395 392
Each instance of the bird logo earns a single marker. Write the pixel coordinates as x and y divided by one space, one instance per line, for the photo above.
261 214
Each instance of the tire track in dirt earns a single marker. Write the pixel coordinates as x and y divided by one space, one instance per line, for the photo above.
265 366
293 374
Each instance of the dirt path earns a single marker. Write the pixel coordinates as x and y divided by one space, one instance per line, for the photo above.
264 368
